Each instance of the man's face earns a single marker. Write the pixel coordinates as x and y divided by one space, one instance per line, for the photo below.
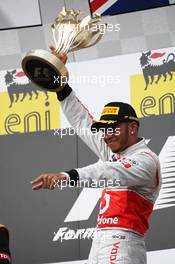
119 139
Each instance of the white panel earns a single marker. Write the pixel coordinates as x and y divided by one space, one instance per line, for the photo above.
19 13
161 257
77 213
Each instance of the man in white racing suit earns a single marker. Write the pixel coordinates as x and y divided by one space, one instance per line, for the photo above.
131 172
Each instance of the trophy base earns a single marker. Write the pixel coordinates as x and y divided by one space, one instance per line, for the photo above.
45 69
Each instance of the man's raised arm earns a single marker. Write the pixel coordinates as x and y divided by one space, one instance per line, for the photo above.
81 120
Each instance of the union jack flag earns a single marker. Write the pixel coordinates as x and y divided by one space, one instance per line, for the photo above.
114 7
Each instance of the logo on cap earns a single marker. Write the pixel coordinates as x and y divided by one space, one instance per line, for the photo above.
110 110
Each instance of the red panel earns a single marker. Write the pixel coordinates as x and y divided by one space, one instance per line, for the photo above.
96 4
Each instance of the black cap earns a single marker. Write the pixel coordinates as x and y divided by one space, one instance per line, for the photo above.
114 113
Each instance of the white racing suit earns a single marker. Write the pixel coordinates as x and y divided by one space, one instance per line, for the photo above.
126 205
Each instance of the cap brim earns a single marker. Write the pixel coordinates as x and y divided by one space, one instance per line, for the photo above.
99 125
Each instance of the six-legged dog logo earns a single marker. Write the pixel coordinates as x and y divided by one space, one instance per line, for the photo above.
151 68
16 88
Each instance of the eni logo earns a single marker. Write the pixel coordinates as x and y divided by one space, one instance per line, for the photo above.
18 91
26 108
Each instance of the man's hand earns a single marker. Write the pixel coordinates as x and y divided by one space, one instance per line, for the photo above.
48 181
61 56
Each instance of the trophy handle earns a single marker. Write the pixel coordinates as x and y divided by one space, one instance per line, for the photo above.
83 45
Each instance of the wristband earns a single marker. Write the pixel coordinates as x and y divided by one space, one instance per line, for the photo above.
73 177
61 95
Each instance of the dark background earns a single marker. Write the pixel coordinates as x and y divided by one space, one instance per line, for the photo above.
33 216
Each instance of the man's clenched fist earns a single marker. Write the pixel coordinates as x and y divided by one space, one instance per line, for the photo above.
48 181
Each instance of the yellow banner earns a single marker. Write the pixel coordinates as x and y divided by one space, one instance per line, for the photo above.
156 98
28 111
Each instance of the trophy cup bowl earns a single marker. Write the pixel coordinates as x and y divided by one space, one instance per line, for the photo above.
70 33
